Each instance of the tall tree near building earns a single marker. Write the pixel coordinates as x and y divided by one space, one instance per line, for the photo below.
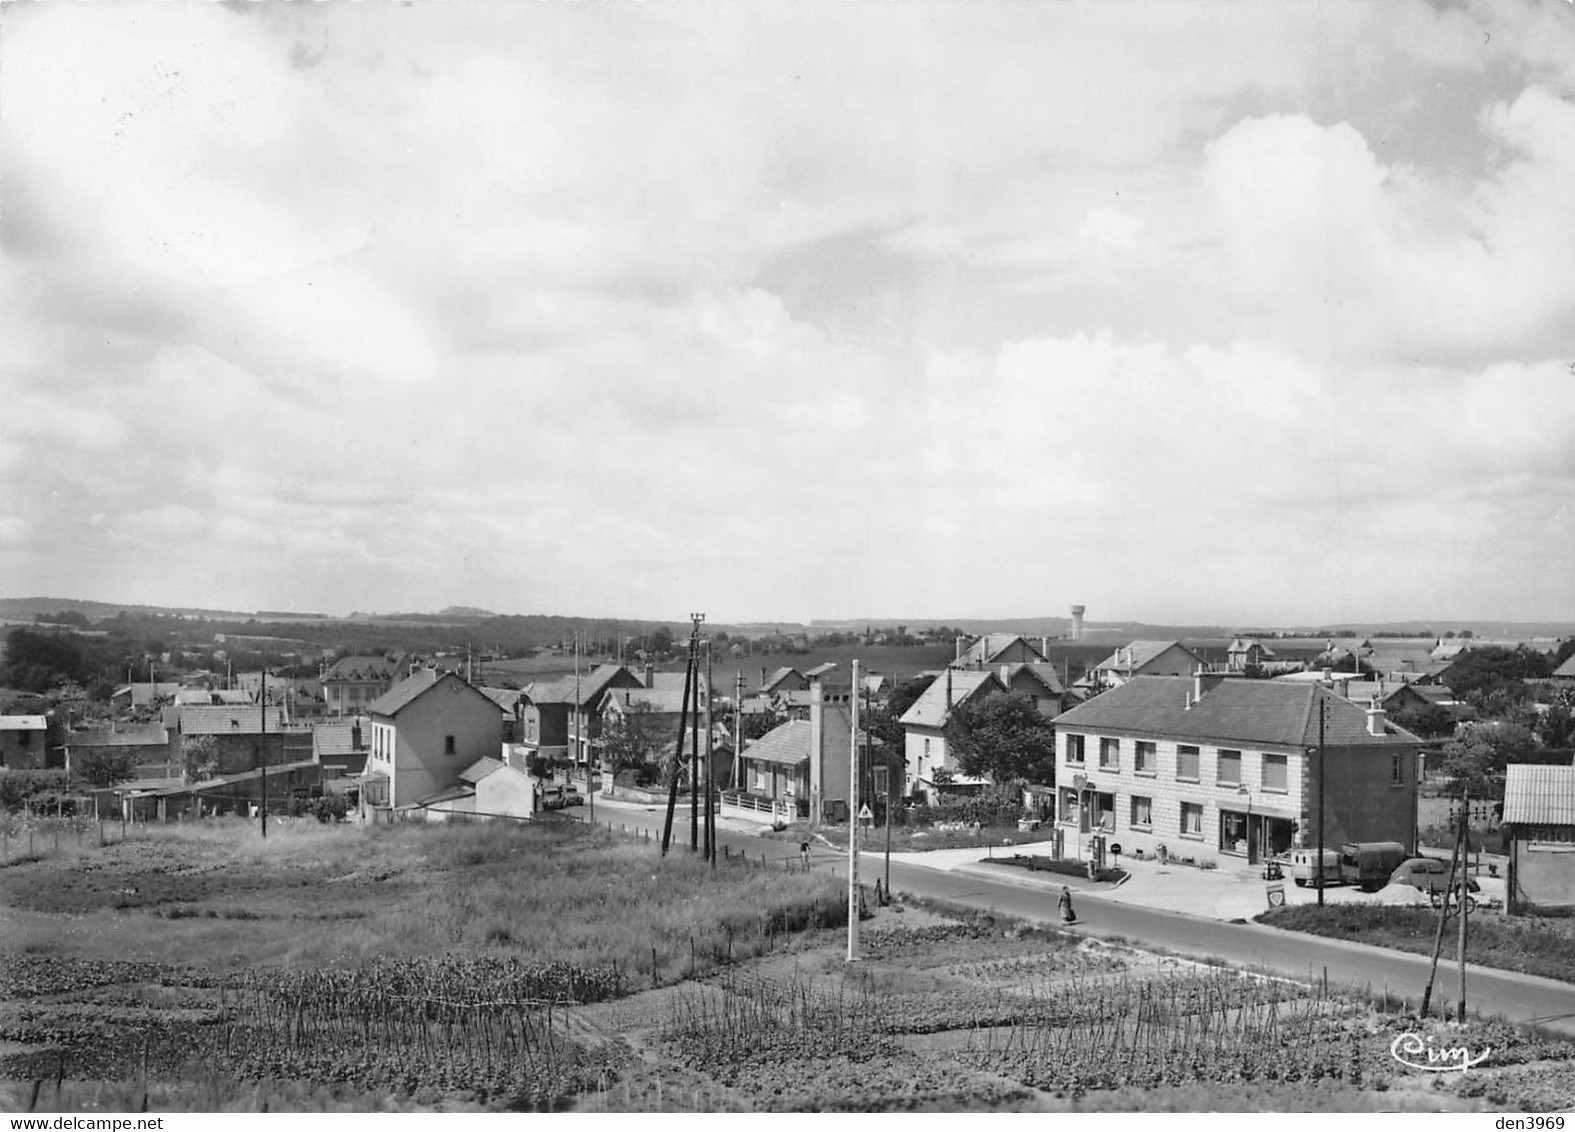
1005 737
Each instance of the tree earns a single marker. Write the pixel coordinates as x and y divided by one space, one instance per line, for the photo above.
1556 726
1430 721
1476 759
661 640
1003 736
102 767
199 757
634 740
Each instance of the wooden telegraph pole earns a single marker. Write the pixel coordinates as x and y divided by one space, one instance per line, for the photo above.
262 809
1465 857
1322 703
678 756
1438 939
696 619
710 776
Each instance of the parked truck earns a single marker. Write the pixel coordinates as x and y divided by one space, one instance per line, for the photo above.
1370 863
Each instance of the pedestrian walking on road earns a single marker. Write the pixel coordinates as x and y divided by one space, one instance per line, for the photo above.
1065 905
803 854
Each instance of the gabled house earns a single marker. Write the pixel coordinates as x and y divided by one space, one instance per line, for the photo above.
353 682
924 725
995 649
1414 696
22 741
656 713
154 749
1145 658
1215 768
783 680
511 706
544 719
804 763
425 730
585 706
1245 653
1565 673
244 735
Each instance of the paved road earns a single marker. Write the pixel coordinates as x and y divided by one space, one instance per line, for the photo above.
1520 998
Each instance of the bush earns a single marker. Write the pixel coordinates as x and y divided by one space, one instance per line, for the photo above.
19 788
999 807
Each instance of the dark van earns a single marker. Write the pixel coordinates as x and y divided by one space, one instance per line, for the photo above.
1371 863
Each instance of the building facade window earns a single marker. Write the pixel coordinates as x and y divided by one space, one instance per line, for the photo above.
1142 812
1397 771
1275 775
1191 819
1187 764
448 744
1110 754
1074 749
1145 757
1229 768
1068 805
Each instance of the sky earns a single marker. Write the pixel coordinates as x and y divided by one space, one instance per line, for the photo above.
1206 313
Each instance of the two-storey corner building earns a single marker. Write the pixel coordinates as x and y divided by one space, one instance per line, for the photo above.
425 730
924 725
1217 768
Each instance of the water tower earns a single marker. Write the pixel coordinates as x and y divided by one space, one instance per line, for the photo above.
1077 622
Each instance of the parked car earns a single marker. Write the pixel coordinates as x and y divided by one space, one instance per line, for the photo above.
1370 864
1303 864
1429 874
572 795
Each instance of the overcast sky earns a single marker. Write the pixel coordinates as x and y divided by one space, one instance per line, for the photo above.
1239 313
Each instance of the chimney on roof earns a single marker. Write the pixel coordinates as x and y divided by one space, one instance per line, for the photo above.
948 689
650 675
355 735
1203 681
1375 717
1077 622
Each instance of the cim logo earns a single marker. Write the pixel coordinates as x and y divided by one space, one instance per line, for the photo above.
1417 1052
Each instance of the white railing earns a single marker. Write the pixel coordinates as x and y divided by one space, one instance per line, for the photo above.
773 807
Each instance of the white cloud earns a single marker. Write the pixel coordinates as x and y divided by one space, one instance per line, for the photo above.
800 310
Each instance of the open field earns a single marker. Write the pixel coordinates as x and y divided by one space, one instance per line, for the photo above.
488 967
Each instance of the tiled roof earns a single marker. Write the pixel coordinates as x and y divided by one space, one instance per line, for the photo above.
931 710
479 769
820 670
505 698
787 744
1539 795
992 645
336 739
362 668
1249 712
548 692
124 735
1566 669
1433 693
403 692
667 700
1134 656
1045 673
598 680
235 719
777 677
22 723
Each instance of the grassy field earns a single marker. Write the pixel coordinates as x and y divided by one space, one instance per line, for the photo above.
487 968
1529 945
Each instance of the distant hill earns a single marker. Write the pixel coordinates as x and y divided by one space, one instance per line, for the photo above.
24 609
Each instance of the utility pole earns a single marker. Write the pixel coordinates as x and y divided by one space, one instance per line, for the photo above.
1322 703
591 767
1465 857
678 756
696 619
579 717
262 809
710 777
1443 918
853 824
738 730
